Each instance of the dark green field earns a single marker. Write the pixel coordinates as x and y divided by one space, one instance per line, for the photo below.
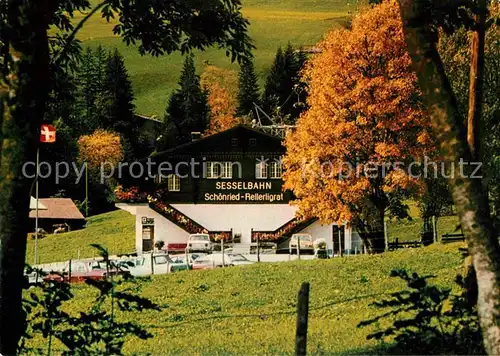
273 24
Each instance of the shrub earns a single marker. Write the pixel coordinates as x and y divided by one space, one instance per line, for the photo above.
159 244
31 235
428 319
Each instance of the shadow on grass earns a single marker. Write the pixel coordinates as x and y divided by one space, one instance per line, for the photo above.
383 349
394 349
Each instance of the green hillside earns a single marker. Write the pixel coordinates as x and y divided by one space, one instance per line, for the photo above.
114 230
272 24
251 309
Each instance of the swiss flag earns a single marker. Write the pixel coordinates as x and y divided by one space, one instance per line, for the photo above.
48 134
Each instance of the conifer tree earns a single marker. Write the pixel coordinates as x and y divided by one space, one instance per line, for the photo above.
282 89
248 89
118 109
117 101
187 109
90 79
87 94
272 95
101 57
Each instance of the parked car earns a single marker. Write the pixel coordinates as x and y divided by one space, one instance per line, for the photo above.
238 259
157 264
303 241
80 271
215 260
33 277
191 257
199 243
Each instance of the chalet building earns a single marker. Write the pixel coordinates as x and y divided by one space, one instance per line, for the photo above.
56 211
228 185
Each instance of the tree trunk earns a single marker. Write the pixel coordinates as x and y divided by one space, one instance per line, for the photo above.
427 234
23 97
474 123
470 200
372 230
476 83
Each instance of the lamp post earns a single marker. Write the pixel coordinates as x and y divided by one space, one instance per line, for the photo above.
36 207
86 189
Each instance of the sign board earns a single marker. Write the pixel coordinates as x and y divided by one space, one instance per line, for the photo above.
244 197
148 221
245 192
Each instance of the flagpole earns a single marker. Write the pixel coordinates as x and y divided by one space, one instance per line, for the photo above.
86 189
36 208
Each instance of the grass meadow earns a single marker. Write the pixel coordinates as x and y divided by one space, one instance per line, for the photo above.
114 230
273 23
251 309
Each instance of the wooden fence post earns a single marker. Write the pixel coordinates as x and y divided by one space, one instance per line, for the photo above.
152 263
298 247
302 316
222 251
258 250
69 274
386 237
434 228
341 252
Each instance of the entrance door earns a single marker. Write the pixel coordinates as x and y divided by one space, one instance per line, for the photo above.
338 239
148 234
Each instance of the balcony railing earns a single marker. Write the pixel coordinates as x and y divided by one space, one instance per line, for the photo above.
186 223
291 227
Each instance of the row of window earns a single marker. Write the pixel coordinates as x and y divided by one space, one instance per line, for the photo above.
263 170
224 170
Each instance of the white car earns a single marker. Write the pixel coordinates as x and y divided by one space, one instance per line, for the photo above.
199 243
191 257
215 260
304 241
146 265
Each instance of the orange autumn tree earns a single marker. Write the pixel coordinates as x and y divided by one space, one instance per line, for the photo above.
221 86
365 115
100 147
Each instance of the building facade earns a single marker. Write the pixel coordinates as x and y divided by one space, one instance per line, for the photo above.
230 186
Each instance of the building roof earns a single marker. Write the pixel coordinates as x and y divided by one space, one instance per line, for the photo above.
151 118
33 204
219 138
58 208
